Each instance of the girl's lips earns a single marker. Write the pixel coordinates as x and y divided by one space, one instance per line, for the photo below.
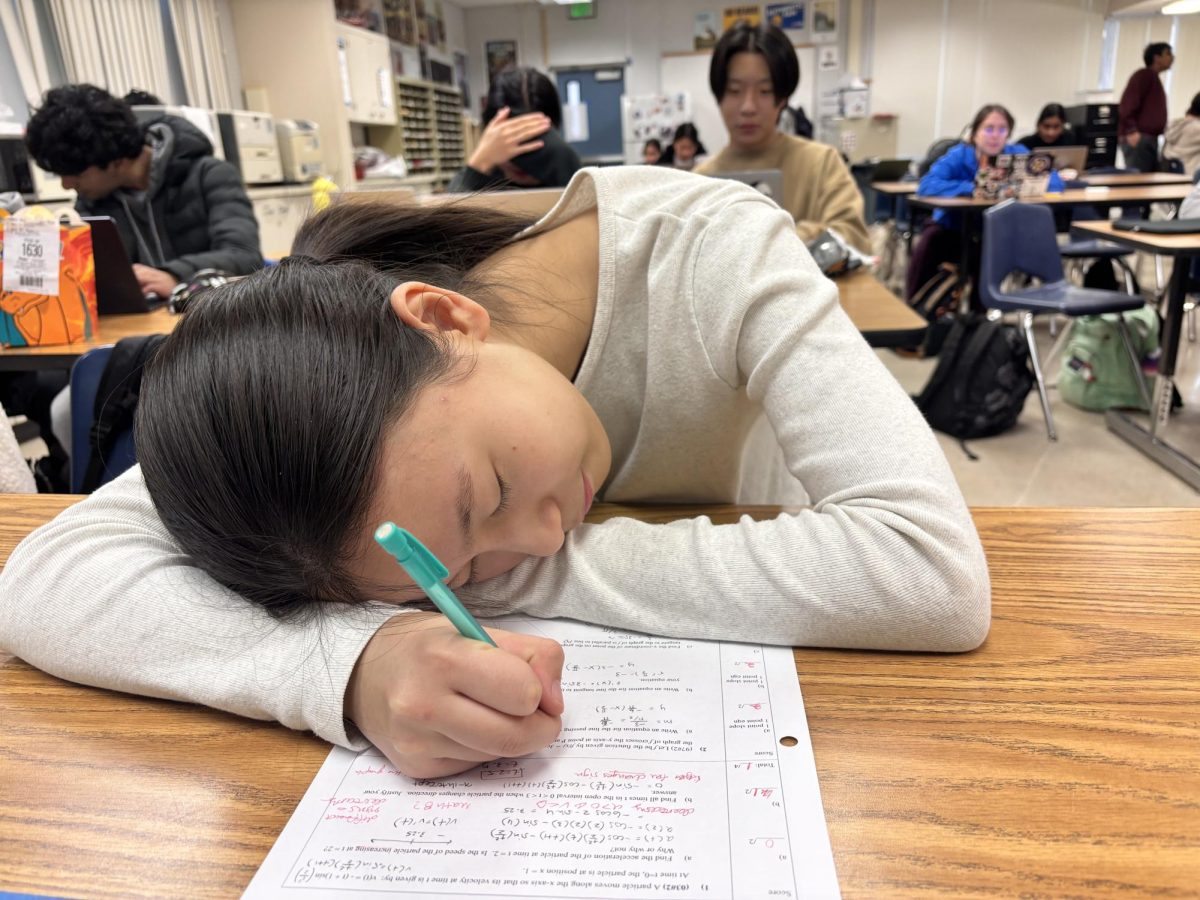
588 493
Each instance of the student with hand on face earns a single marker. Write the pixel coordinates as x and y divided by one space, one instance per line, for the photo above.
480 378
754 71
521 145
178 208
953 175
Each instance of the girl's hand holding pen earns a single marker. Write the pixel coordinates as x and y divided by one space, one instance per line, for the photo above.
437 703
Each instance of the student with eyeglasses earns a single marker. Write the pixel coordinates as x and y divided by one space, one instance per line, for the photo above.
953 175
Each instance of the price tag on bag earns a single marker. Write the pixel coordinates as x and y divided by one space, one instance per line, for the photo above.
31 256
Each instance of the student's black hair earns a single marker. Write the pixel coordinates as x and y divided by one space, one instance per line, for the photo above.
765 39
1153 50
138 97
986 110
653 142
1052 111
524 90
262 416
686 130
1194 109
79 126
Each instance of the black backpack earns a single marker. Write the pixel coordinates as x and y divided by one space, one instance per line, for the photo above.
938 301
981 380
116 400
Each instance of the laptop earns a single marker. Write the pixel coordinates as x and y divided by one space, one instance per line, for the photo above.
765 181
1070 157
890 169
117 288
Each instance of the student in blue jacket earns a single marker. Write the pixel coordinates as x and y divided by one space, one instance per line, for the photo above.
954 176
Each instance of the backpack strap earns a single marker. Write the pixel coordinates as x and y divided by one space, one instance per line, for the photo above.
116 400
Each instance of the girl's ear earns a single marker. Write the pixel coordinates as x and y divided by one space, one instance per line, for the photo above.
430 308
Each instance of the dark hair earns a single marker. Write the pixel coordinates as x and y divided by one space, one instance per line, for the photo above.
1194 109
765 39
79 126
260 424
138 97
686 130
1052 111
653 142
1153 50
524 90
986 110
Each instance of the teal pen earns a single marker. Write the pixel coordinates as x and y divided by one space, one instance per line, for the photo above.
427 571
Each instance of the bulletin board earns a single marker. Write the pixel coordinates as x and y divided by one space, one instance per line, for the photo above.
689 72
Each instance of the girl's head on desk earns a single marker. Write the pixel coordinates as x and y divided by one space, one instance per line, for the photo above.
410 364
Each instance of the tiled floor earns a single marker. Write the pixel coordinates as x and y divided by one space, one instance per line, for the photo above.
1087 466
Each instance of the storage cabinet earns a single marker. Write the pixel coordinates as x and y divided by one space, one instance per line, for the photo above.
365 64
430 135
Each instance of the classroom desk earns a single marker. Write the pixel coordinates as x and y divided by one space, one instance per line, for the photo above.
883 318
1062 758
1124 179
1152 441
1074 197
110 329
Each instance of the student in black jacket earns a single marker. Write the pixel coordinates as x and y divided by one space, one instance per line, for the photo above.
178 208
1052 129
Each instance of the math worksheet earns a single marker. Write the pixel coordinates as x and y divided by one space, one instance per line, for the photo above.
684 769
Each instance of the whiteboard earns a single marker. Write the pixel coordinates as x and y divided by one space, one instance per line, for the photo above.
690 73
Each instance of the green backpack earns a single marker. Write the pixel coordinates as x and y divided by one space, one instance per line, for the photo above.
1096 373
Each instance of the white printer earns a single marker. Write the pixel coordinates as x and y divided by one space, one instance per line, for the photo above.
204 119
299 149
249 139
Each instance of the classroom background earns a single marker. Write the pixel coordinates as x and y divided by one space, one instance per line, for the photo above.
879 80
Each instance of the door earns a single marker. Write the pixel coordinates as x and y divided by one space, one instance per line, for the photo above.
591 101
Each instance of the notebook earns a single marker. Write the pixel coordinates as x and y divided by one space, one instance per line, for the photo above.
765 181
117 288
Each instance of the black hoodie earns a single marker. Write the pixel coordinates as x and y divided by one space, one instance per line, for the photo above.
194 215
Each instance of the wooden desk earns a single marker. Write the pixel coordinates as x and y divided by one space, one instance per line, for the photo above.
883 318
1062 758
1075 197
1152 441
1127 179
110 329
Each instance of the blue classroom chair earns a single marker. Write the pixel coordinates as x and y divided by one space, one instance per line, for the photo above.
86 375
1019 237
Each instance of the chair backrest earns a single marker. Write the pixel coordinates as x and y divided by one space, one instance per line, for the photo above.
1017 237
86 375
936 151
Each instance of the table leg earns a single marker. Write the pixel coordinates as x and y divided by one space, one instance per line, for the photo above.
1150 441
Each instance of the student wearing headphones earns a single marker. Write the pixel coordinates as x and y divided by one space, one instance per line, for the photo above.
754 71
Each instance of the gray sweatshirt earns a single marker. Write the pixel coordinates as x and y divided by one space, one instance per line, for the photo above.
710 316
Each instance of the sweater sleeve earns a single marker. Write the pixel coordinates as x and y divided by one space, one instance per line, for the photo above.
887 557
102 595
840 206
945 178
468 179
232 228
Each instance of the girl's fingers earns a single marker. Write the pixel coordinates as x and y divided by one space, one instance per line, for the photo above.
526 148
482 730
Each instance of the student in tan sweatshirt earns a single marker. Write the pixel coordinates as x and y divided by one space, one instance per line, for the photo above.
753 73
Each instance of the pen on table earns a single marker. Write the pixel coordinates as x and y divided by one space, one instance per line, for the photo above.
427 571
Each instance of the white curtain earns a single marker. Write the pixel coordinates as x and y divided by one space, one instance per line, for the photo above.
18 21
116 44
198 41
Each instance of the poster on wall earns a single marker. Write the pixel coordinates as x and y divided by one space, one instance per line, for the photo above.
751 13
827 58
788 16
500 55
705 30
824 17
398 21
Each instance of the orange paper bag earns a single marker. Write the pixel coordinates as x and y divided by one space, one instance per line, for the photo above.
32 319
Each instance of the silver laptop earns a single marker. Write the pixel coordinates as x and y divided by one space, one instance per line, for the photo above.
765 181
1066 157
